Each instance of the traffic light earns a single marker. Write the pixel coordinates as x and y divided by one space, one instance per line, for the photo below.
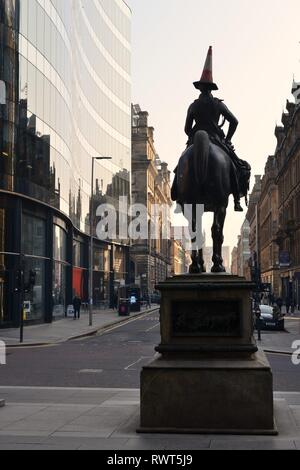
31 281
32 278
19 280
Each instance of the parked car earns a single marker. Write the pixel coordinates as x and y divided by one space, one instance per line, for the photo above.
270 318
155 298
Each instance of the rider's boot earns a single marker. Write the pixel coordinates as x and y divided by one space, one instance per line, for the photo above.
237 205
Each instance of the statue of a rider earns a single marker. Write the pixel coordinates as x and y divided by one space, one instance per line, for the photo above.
204 115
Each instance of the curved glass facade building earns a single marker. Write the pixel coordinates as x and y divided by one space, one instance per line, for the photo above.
65 94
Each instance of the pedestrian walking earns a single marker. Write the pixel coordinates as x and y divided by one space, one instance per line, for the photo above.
271 299
279 303
116 301
148 300
288 305
293 306
76 306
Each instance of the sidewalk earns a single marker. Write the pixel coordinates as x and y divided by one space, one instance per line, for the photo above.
107 419
67 328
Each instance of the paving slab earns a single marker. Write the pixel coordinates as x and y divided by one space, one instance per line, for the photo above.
279 444
112 424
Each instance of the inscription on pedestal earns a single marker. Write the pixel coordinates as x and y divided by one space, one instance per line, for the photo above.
206 318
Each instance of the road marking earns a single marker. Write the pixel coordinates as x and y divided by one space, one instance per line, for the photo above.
115 327
24 346
8 388
150 319
136 362
152 327
90 371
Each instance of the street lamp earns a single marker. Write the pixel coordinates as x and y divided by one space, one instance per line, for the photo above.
92 241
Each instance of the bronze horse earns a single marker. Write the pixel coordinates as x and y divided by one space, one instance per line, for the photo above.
205 175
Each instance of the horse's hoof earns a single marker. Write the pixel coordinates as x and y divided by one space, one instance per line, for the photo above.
217 269
195 269
203 269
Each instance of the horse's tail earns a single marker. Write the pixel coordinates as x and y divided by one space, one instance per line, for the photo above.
201 156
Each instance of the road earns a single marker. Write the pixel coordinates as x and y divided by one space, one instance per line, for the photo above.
110 360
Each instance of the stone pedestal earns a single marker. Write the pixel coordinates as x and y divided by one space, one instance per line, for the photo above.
209 376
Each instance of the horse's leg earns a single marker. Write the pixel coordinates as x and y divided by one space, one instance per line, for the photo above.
194 268
218 240
201 261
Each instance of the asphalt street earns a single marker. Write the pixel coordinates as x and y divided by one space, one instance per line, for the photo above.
110 360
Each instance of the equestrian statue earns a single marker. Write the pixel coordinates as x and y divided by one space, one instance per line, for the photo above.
209 170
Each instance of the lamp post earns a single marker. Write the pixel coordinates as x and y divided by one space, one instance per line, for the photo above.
92 241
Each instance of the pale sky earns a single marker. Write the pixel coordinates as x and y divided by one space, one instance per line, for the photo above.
256 54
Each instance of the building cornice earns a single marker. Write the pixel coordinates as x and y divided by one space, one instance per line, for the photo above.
288 157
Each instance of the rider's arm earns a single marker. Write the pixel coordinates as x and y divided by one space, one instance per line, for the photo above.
189 122
233 122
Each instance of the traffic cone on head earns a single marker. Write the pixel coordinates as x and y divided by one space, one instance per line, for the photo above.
207 75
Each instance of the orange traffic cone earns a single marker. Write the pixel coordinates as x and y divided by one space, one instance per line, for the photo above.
207 75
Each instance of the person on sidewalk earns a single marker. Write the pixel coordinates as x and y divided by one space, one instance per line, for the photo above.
293 307
288 305
116 301
76 306
279 303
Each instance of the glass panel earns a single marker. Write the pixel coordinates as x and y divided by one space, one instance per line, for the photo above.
34 301
59 244
80 284
78 254
33 236
59 290
32 24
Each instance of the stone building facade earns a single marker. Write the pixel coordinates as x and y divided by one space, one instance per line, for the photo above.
151 257
180 258
288 181
274 209
241 253
244 253
253 217
234 261
268 227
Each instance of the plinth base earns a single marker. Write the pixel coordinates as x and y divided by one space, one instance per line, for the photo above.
208 396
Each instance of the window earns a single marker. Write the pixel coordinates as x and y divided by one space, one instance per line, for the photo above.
59 244
33 236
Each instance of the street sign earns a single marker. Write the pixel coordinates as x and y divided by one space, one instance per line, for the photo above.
26 310
70 311
284 259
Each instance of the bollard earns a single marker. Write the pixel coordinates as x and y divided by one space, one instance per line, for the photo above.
2 363
2 353
258 314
